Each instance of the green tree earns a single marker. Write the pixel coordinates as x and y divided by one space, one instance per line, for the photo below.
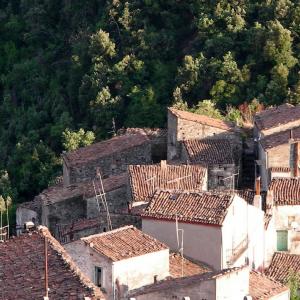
72 140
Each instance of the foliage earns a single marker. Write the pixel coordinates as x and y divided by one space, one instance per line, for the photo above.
96 65
293 283
72 140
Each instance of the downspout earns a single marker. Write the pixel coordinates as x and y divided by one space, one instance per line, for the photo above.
113 281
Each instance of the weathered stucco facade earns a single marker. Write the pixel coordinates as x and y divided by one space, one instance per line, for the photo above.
239 240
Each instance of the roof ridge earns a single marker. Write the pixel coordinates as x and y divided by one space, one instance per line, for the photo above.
107 232
56 246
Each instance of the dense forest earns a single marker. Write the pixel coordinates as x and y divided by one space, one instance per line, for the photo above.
72 71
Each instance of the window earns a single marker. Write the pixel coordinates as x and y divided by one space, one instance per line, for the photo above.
220 180
282 240
99 276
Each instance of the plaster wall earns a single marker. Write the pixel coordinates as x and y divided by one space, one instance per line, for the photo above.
202 290
24 215
200 242
270 242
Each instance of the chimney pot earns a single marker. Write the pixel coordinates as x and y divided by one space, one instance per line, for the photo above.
163 164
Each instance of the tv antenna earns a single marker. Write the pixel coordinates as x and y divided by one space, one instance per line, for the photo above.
101 195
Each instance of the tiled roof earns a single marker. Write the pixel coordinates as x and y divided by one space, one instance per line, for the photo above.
22 270
152 133
262 287
279 138
177 283
123 243
203 208
189 268
286 191
104 148
82 224
280 169
145 179
85 190
209 151
202 119
276 116
283 265
246 194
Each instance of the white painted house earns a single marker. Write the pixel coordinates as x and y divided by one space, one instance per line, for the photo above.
219 229
284 202
121 260
233 284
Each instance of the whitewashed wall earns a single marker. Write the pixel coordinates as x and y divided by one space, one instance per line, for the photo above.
200 242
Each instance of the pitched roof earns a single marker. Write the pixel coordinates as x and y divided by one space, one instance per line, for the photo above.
209 151
177 264
202 119
82 224
286 191
123 243
282 265
177 283
152 133
22 270
262 287
280 138
203 208
276 116
246 194
145 179
104 148
84 190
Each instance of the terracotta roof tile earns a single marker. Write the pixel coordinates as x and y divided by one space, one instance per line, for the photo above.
280 138
145 179
246 194
276 116
85 190
202 119
104 148
123 243
209 151
203 208
286 191
282 265
177 283
261 287
82 224
280 170
189 268
22 270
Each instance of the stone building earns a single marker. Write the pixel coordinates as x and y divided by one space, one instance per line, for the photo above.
22 270
183 125
276 119
157 137
218 228
218 156
235 283
146 179
121 260
111 156
283 199
58 207
278 155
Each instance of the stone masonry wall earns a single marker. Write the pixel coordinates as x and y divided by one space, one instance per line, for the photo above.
181 130
116 200
114 164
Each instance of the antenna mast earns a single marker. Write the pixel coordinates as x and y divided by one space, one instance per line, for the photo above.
100 194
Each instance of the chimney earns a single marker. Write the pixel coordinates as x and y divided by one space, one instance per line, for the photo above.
291 134
269 199
163 164
257 201
257 186
155 278
129 206
296 159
